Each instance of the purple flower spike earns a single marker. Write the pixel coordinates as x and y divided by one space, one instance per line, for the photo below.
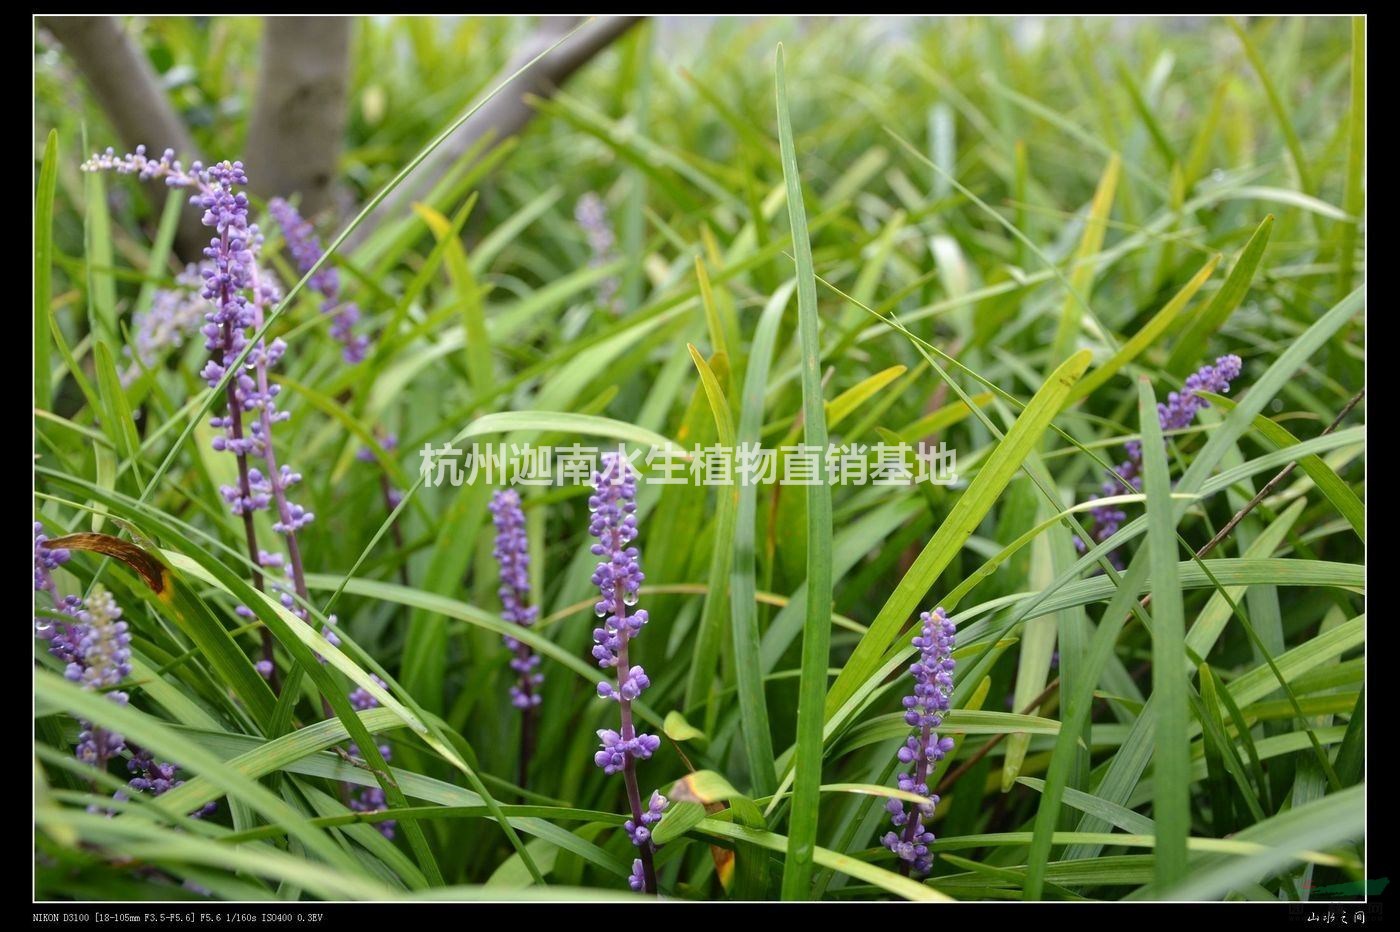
1176 413
512 553
1180 408
305 248
46 560
236 290
923 711
97 648
104 646
591 214
370 798
619 577
619 580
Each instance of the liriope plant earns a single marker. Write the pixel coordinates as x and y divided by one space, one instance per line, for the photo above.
1159 653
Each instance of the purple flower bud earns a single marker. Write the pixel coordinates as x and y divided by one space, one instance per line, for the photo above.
362 698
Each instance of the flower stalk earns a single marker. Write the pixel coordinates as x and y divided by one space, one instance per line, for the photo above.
619 579
924 709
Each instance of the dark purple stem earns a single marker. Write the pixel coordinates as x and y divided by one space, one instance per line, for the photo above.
235 417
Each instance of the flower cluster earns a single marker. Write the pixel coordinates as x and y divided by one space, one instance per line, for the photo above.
305 248
100 647
512 553
370 798
641 837
94 644
156 777
641 834
46 560
617 751
619 580
619 577
1180 408
1176 413
591 214
236 290
923 710
363 699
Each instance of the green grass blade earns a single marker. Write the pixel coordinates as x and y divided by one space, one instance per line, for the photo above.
98 261
1082 277
1075 712
1145 337
1171 807
753 706
159 256
160 739
1351 756
1354 195
1278 107
1347 503
590 425
1191 346
116 413
816 632
707 646
43 267
974 503
1282 841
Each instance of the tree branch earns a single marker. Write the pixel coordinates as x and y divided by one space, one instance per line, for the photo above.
298 121
507 113
121 78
